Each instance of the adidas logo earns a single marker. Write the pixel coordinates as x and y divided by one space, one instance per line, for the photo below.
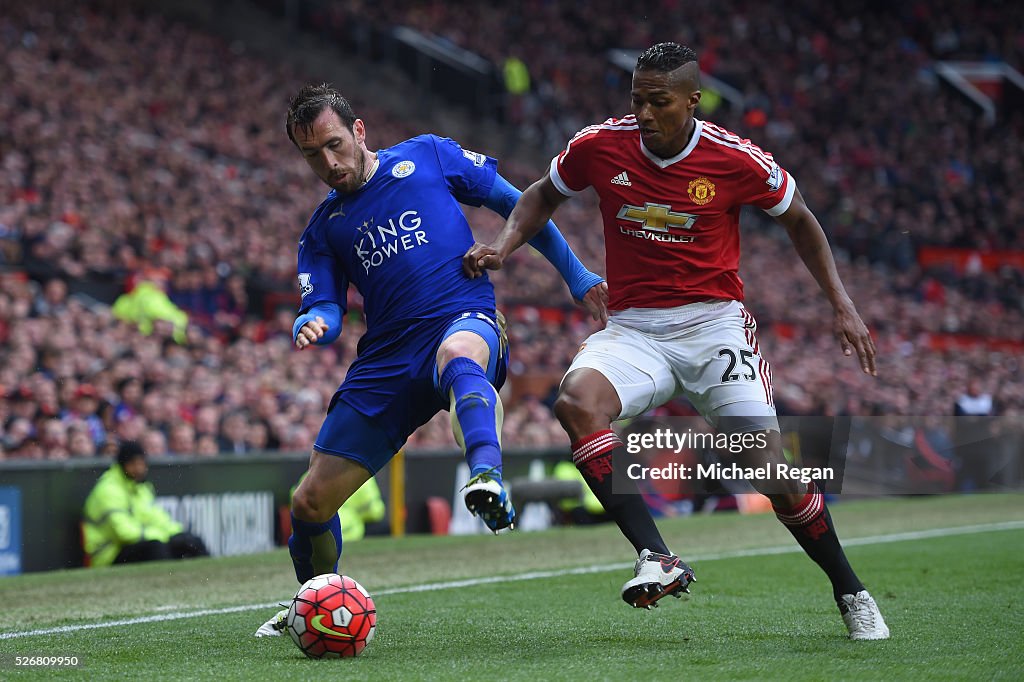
622 179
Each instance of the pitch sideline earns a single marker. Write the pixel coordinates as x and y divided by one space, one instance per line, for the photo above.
532 575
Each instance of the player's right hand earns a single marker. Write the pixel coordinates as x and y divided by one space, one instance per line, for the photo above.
854 336
596 302
310 332
480 257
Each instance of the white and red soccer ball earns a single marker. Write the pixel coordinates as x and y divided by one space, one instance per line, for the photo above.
332 616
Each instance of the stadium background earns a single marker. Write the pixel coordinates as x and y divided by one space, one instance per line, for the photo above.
142 143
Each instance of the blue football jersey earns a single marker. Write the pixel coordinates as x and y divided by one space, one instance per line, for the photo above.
400 238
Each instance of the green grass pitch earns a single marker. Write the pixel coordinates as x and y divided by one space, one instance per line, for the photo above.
759 611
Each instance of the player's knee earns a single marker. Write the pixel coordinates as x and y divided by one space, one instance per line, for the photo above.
576 413
307 505
463 345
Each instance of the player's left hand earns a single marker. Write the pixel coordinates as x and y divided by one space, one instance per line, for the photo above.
480 257
311 332
853 335
596 302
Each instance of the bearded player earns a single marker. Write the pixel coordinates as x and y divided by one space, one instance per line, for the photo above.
392 226
671 188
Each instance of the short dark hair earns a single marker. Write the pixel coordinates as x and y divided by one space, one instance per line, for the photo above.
128 451
665 57
310 102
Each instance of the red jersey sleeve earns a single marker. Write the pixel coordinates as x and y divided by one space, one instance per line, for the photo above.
770 190
764 183
569 169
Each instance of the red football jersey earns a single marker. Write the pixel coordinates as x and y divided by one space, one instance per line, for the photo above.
671 226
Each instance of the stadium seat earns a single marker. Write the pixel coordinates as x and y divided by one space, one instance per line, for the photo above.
439 513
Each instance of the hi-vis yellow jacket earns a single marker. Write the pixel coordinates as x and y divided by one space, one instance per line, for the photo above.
121 512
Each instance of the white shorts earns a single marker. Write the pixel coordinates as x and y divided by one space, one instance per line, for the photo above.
706 351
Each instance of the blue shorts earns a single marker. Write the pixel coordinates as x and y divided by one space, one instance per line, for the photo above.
390 393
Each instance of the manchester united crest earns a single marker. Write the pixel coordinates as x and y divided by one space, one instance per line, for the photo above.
701 191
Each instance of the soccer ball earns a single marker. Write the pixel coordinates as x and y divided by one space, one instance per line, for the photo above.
332 616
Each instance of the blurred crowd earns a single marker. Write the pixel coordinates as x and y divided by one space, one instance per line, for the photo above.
150 202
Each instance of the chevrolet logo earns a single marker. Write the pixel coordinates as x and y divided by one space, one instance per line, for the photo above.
656 217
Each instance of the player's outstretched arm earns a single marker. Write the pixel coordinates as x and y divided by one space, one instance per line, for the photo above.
532 211
321 325
586 287
812 246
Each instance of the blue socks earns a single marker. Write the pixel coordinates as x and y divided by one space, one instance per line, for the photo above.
476 414
315 547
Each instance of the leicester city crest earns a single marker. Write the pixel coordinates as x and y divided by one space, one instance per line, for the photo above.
403 169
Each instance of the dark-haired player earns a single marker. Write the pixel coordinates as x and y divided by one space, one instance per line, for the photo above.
671 188
392 226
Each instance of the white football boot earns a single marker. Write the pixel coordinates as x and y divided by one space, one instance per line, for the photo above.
656 576
275 626
862 617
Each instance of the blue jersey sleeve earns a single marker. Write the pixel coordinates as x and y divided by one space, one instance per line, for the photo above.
549 241
470 175
330 313
322 277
